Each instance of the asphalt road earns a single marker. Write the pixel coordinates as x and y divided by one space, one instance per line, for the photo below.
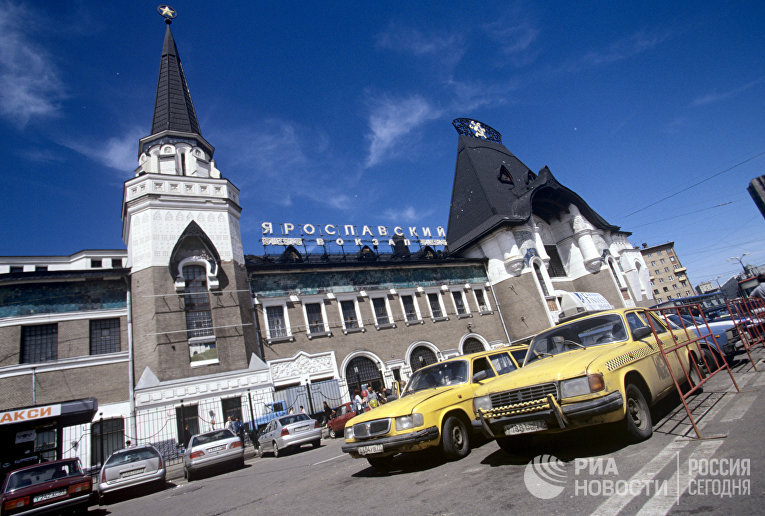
593 471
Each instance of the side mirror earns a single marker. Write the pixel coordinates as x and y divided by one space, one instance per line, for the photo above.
479 376
641 333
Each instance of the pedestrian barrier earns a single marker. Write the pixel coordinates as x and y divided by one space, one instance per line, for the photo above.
748 316
690 337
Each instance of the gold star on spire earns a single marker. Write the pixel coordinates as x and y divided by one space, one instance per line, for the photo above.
167 12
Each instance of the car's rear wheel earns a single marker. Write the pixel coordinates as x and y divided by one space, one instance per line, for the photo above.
276 449
381 463
260 450
638 421
189 475
707 355
455 440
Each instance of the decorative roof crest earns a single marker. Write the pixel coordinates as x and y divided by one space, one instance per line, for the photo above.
476 129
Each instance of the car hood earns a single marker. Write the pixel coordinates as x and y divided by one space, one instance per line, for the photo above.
404 406
562 366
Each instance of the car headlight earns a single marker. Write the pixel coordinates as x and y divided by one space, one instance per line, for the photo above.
581 385
411 421
482 403
348 432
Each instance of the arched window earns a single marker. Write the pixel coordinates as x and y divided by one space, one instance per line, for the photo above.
422 356
472 345
362 371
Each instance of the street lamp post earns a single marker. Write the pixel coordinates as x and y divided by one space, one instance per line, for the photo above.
738 259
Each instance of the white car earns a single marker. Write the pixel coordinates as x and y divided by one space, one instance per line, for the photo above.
212 449
288 432
131 467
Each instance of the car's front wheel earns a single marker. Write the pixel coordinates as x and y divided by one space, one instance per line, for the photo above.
638 421
332 433
455 440
276 449
260 450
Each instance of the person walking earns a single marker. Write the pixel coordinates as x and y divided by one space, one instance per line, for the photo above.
230 425
357 402
759 290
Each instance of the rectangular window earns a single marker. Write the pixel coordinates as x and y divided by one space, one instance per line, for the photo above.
662 260
349 314
555 269
95 264
672 259
116 263
480 297
666 269
104 336
435 305
16 269
276 322
656 292
39 343
198 316
674 286
666 289
381 311
315 318
410 312
459 302
41 268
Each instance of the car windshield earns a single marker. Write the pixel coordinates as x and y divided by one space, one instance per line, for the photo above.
295 418
133 455
579 334
445 373
42 473
212 436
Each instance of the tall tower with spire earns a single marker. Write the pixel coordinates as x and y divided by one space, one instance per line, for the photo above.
191 308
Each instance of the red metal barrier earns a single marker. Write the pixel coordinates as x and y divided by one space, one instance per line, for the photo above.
748 315
690 336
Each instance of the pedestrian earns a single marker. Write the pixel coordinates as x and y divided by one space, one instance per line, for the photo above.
127 443
328 413
186 436
302 411
230 425
291 411
759 290
238 429
357 402
372 398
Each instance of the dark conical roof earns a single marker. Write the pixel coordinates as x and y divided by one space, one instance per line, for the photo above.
173 109
493 188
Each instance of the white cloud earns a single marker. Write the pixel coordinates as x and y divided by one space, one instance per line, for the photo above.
393 119
719 96
408 215
514 40
119 153
413 41
29 82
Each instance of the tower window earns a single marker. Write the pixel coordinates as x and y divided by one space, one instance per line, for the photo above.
199 328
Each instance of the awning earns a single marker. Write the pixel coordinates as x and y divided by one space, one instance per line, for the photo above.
66 413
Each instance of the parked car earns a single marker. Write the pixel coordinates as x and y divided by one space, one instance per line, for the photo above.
131 467
289 431
599 368
343 413
212 449
435 410
53 487
718 343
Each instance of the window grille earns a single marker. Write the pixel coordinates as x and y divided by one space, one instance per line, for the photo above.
39 343
409 310
459 302
315 318
556 268
104 336
435 305
198 316
349 314
381 311
276 323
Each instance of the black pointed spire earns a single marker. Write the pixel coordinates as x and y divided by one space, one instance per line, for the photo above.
174 114
173 108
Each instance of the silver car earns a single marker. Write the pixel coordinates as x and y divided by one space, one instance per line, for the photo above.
289 431
212 449
130 467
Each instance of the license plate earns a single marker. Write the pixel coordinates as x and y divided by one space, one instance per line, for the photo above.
372 448
131 473
525 428
48 496
303 428
217 448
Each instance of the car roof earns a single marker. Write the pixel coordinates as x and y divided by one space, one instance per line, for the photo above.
47 463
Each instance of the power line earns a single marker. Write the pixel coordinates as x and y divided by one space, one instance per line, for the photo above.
696 184
681 215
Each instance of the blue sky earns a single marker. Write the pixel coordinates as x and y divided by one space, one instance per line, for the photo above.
340 112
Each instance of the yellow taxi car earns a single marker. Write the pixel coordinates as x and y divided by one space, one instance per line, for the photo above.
597 368
435 409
